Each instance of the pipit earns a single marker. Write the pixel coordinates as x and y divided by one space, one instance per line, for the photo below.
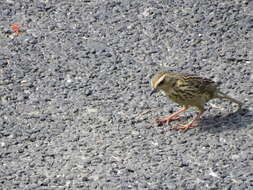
188 91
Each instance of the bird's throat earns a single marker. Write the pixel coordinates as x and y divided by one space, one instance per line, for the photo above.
163 92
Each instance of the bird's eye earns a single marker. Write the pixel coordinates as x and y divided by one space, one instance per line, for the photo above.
161 83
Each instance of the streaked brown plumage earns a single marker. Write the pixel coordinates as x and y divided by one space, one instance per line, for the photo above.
188 91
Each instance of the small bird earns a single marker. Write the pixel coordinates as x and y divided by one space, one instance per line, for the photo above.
188 91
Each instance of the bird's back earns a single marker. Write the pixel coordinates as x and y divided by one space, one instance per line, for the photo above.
186 89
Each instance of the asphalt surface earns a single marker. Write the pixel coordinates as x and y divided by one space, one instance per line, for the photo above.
75 110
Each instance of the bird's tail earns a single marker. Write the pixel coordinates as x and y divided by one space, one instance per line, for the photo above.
224 96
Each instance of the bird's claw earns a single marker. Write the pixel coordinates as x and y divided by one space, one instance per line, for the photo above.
167 120
185 127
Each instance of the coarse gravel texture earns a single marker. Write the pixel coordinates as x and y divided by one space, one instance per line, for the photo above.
75 110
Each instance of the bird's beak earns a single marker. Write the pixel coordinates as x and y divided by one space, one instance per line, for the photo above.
153 91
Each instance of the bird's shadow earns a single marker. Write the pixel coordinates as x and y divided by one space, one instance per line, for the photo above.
232 121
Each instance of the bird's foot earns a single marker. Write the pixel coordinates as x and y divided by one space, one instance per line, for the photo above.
185 127
167 120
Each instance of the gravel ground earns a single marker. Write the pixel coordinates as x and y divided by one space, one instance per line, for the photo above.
74 94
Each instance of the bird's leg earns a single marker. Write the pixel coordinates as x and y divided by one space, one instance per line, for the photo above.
191 124
172 116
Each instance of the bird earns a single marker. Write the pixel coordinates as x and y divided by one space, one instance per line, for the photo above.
187 90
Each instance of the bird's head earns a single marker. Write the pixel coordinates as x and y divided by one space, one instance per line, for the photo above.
158 82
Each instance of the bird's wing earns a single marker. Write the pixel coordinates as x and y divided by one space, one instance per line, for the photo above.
195 84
